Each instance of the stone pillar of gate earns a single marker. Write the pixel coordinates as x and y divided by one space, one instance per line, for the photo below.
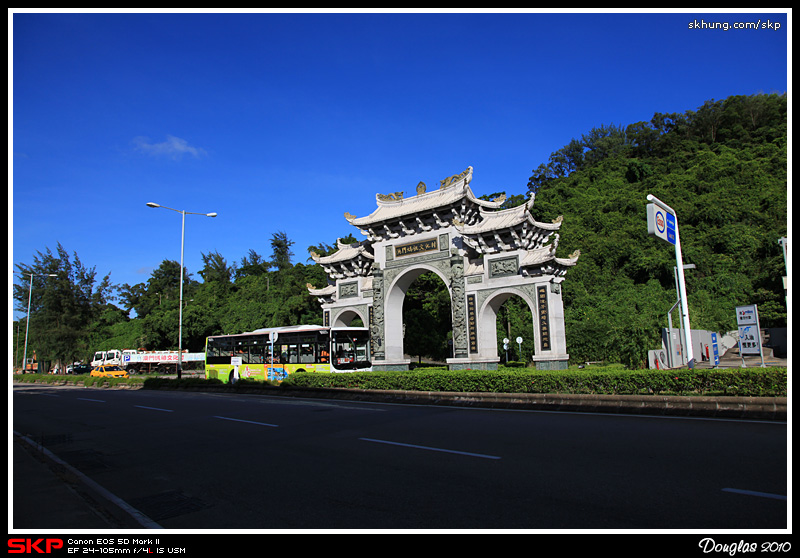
551 342
376 327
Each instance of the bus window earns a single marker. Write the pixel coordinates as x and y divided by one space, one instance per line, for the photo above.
289 354
256 355
219 351
307 353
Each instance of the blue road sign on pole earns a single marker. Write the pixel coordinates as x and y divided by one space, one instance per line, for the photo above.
661 222
671 237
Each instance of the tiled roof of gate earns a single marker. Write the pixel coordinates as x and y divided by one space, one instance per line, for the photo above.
499 220
391 209
345 253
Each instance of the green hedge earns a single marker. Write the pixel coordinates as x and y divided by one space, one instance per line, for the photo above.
749 382
81 379
612 380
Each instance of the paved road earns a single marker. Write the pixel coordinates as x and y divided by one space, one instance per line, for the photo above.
203 460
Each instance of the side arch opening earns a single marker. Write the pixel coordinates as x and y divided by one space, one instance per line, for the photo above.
508 314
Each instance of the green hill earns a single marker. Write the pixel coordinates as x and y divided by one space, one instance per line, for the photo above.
723 168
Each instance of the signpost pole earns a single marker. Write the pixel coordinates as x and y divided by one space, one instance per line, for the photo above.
665 226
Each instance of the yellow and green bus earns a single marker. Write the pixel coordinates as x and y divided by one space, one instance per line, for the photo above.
273 353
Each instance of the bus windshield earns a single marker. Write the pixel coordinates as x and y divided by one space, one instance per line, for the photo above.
350 348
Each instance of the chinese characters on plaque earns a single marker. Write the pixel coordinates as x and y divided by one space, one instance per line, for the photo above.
471 324
544 325
416 248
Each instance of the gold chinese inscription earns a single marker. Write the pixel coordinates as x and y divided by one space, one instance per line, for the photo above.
544 319
472 324
416 248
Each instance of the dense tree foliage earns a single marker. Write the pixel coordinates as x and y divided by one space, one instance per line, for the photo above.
67 305
722 167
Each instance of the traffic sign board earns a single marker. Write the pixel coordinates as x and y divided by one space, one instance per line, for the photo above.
746 315
661 223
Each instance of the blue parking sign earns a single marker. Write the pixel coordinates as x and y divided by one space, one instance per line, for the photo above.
715 348
670 228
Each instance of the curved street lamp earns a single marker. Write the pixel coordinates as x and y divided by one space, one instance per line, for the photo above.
180 301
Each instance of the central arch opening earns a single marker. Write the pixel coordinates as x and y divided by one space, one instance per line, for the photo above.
427 320
418 317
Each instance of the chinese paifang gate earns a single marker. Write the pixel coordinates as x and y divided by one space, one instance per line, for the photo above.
483 253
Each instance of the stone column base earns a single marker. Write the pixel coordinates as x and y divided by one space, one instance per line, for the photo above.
551 362
469 364
390 366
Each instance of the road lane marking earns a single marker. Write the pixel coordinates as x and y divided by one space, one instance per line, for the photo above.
755 493
154 408
95 400
248 421
481 455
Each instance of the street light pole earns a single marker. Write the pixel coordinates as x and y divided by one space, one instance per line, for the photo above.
180 296
28 317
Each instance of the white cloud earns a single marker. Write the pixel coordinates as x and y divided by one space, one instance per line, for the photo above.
173 147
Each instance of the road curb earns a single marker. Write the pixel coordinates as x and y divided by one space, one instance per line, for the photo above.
756 408
760 408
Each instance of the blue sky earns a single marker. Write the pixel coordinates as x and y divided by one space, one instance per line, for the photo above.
285 121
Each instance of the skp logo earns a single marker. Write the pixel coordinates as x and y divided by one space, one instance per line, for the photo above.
30 546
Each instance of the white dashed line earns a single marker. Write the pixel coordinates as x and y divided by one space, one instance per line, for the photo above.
431 449
755 493
248 421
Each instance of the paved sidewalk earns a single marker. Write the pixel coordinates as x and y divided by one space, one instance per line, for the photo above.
49 495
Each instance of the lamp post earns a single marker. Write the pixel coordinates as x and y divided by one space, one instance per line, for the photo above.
28 318
180 301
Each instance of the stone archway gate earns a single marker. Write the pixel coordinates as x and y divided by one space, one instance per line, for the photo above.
484 255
